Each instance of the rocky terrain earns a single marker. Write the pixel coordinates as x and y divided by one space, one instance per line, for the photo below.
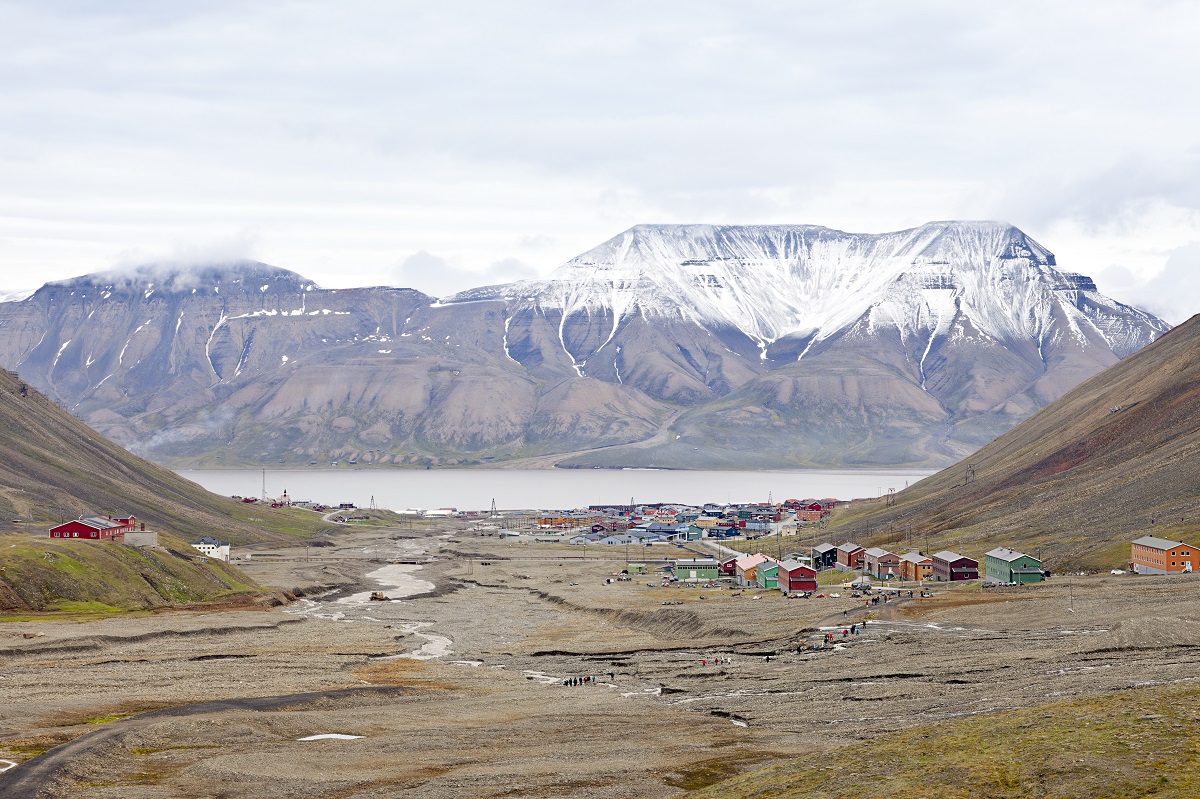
459 690
675 346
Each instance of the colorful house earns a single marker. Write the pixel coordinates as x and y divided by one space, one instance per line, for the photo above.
1009 567
691 569
849 555
952 567
747 574
767 574
825 556
915 566
1150 555
881 563
795 576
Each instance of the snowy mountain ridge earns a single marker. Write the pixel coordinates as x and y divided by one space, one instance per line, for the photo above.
807 283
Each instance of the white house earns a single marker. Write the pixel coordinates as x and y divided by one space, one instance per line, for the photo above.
211 547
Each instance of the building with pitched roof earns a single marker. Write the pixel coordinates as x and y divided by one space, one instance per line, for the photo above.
1151 555
1009 567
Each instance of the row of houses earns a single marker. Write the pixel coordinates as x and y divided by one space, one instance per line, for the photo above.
1001 565
750 571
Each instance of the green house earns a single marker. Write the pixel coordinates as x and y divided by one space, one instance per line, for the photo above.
767 575
1008 567
696 569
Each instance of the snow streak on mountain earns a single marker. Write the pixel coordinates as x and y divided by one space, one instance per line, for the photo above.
789 282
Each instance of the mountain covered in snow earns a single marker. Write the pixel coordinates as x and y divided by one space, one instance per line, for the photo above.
668 345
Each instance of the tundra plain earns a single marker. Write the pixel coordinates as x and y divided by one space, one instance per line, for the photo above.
457 688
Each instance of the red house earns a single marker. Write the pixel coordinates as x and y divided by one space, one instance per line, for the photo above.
850 555
95 528
951 566
795 576
728 567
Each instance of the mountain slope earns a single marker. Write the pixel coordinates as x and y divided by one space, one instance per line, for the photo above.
52 466
681 346
1115 458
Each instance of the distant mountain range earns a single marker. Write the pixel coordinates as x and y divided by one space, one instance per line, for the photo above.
671 346
1116 458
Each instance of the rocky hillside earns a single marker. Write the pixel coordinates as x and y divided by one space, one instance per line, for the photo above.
676 346
52 467
1115 458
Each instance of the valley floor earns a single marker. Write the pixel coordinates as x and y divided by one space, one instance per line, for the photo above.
457 688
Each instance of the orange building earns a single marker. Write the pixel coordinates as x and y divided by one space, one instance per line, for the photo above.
1150 555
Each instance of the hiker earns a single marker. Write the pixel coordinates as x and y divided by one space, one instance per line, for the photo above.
612 676
844 634
704 662
768 658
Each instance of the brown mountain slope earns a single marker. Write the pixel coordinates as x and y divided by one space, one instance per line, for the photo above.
1116 457
53 466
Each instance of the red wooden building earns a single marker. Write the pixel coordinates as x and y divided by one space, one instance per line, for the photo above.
795 576
95 528
850 555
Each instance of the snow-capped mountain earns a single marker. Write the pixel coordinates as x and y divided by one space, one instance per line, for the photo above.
669 345
802 283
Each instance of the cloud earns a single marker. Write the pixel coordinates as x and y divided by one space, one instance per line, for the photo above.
231 249
439 277
1173 293
478 131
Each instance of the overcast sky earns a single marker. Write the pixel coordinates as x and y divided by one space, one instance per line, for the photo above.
453 144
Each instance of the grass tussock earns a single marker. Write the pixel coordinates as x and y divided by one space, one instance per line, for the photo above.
1119 746
402 672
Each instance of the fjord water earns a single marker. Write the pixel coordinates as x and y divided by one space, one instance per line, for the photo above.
474 489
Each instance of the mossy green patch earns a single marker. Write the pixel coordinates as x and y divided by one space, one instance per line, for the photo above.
1118 746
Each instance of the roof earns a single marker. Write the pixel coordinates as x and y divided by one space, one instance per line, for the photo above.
1008 555
792 565
877 552
751 560
948 556
914 557
849 546
1157 543
823 548
212 542
708 563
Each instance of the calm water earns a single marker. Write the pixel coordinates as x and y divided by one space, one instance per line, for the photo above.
551 488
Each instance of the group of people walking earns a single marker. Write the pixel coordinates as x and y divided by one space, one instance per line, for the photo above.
587 679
